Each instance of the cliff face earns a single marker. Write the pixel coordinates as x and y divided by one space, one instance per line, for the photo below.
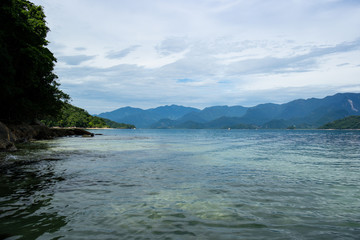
11 134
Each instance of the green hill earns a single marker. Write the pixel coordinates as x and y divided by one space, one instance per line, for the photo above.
113 124
351 122
71 116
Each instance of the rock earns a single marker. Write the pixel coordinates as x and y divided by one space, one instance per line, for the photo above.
87 136
10 134
38 122
4 132
79 131
6 139
22 132
42 132
61 132
6 145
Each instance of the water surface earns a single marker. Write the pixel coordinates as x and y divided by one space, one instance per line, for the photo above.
184 184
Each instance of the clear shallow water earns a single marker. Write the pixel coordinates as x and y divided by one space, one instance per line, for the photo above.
184 184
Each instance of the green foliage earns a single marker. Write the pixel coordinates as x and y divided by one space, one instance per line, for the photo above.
351 122
113 124
71 116
28 85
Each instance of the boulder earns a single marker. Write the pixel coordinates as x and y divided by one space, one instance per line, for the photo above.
6 139
42 132
61 132
22 132
6 145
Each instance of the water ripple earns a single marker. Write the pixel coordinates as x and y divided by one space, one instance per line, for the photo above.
184 184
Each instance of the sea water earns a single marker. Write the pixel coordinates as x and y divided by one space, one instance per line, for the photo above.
184 184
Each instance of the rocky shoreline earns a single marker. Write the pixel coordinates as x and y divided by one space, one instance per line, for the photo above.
10 134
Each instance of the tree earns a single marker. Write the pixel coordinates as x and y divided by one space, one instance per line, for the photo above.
350 122
28 89
71 116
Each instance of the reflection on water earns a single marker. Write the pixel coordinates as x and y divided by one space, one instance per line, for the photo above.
26 189
185 184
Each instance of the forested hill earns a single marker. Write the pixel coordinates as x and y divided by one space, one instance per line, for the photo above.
351 122
29 89
71 116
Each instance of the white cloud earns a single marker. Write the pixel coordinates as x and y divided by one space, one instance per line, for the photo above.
200 53
172 45
122 53
74 60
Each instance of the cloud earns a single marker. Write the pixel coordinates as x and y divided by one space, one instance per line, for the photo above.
343 64
185 80
202 53
123 53
298 63
80 48
172 45
75 60
202 79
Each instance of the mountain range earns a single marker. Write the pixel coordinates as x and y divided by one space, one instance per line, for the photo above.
300 113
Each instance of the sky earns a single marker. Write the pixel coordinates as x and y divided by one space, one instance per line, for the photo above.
142 53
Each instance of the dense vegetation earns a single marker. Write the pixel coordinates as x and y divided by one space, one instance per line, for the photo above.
28 85
113 124
71 116
351 122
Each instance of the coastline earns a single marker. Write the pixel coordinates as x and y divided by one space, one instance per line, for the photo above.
11 134
95 128
77 128
101 128
107 128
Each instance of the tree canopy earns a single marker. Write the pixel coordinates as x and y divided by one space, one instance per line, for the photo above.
71 116
351 122
29 88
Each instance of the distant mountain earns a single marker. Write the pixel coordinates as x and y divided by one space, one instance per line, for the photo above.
351 122
120 113
172 112
262 113
312 111
300 113
145 118
212 113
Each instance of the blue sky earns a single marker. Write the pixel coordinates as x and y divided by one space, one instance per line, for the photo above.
143 53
